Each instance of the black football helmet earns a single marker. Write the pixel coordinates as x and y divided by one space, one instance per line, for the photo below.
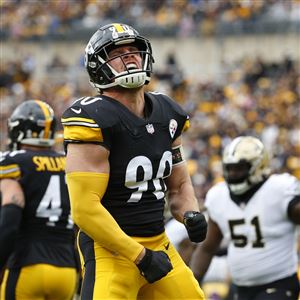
107 38
32 123
245 164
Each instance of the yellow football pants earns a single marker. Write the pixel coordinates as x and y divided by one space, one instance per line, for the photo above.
39 282
112 277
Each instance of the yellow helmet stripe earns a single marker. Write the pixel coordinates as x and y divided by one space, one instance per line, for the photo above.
48 119
119 27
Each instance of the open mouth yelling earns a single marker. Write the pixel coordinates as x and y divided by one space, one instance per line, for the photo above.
131 66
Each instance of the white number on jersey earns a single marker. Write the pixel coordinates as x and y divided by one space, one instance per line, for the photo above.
50 205
144 164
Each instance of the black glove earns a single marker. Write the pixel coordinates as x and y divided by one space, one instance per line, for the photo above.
195 225
154 265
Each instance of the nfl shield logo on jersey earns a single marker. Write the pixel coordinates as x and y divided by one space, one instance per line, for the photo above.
172 127
150 128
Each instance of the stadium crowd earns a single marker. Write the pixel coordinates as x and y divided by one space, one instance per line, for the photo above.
21 19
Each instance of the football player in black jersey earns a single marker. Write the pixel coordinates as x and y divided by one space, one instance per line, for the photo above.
124 159
36 231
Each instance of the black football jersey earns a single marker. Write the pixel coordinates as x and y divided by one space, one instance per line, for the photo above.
46 234
140 154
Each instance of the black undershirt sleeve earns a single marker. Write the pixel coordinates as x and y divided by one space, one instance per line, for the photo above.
10 220
292 203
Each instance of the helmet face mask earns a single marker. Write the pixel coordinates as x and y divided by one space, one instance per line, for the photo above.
97 60
31 123
245 164
237 172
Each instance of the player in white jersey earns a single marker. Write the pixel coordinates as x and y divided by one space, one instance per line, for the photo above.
258 212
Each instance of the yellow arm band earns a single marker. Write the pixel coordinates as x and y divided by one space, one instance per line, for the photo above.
86 190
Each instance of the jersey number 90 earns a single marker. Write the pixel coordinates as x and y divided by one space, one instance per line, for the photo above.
144 163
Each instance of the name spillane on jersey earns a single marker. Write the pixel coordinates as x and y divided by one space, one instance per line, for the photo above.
46 219
263 240
140 154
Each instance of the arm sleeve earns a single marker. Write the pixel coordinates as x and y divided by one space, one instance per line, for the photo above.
10 220
86 190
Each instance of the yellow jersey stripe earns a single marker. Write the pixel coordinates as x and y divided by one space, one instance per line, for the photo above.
81 133
72 119
10 171
77 123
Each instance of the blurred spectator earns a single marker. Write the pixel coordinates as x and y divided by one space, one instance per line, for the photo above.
25 19
57 63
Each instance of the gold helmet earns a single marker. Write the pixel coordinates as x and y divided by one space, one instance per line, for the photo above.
245 164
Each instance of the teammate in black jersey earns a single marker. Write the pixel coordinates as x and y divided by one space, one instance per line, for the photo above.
36 231
124 158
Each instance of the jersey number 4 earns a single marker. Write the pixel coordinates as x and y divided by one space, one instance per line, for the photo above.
241 240
50 205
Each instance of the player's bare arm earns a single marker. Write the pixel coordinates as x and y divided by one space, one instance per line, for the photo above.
87 158
205 251
12 192
295 212
181 196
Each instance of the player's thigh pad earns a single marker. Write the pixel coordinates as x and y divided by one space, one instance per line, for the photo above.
110 277
35 282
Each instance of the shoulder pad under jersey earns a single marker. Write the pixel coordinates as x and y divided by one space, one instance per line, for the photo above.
87 119
9 167
174 107
286 184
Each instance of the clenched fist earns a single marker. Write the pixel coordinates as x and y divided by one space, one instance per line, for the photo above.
195 225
